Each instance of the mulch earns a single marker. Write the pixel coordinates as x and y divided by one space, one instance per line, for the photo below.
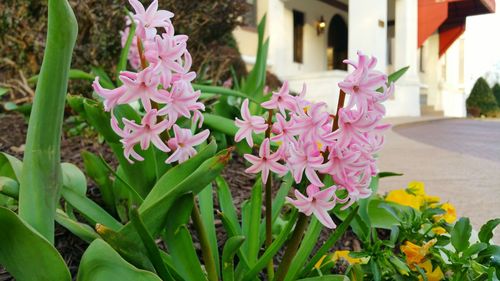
13 128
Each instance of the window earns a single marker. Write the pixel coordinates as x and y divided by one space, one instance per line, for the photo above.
250 18
298 36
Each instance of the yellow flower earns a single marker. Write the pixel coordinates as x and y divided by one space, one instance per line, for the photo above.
431 275
402 197
337 255
438 230
450 214
345 256
415 254
418 188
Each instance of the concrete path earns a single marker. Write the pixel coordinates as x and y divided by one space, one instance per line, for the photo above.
457 159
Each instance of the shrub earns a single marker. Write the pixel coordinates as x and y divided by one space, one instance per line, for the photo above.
496 92
481 99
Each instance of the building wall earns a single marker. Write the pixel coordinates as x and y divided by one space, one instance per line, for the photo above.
430 71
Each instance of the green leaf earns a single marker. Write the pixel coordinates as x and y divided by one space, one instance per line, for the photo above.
381 215
227 126
308 242
474 249
179 241
10 166
93 212
150 245
226 203
231 247
97 171
486 232
101 263
254 219
253 272
42 181
334 237
393 77
74 179
26 254
375 269
327 278
206 202
83 231
3 91
122 63
388 174
104 78
460 234
9 187
154 209
216 90
73 74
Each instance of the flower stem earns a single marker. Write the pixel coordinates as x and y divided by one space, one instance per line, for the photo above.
340 104
292 246
269 206
206 251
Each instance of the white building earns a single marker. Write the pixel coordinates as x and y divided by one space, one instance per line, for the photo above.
309 39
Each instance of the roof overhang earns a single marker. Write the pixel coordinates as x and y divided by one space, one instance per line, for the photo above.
448 18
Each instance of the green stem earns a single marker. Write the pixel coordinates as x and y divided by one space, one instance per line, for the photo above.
269 225
206 251
42 180
292 246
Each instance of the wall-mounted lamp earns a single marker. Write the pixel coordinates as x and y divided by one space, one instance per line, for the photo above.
320 25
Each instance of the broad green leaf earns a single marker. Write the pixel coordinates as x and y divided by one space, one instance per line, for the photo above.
380 216
271 251
206 202
101 263
216 90
122 63
231 247
26 254
227 126
474 249
308 242
226 203
104 78
74 179
3 91
460 234
375 269
154 213
83 231
335 236
486 232
9 187
254 220
150 245
42 180
97 171
327 278
179 242
10 166
90 210
73 74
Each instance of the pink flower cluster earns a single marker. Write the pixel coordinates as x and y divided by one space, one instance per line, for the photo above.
306 144
162 84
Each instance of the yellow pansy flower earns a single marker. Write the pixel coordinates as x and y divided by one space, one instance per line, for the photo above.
450 214
416 254
337 255
438 230
404 198
432 275
418 188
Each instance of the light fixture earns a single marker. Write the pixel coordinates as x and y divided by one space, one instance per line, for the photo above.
320 25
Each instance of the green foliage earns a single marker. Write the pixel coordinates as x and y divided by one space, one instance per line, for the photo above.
481 99
496 92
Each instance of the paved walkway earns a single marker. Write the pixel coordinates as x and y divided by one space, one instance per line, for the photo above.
457 159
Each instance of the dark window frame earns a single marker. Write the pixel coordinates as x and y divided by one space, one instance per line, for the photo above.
298 36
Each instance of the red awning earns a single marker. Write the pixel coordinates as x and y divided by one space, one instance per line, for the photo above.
448 18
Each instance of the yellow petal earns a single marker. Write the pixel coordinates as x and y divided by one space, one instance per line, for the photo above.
403 198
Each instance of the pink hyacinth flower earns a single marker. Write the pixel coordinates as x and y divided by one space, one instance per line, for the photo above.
317 202
183 144
144 134
166 51
305 157
282 100
149 19
266 162
248 125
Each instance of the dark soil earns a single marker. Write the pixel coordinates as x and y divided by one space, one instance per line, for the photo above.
13 128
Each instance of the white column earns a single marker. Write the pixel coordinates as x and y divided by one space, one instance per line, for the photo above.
406 101
368 29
